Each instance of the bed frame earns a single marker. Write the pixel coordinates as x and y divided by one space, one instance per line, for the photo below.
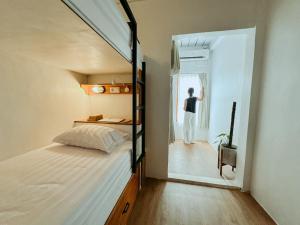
124 206
138 79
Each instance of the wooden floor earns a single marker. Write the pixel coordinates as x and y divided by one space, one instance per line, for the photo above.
198 159
167 203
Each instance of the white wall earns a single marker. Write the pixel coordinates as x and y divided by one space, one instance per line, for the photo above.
37 103
116 106
232 80
276 167
227 74
107 78
157 22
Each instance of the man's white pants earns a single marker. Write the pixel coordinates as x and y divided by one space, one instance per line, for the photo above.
189 127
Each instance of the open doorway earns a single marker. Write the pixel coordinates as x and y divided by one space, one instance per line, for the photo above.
218 67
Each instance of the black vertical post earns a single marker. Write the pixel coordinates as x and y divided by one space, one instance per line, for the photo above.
144 104
232 124
134 98
133 27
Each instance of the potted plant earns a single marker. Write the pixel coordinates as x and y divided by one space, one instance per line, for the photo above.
227 151
222 139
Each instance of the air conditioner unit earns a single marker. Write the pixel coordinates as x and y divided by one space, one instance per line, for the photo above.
194 54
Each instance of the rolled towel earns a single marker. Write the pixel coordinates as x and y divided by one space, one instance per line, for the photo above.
95 118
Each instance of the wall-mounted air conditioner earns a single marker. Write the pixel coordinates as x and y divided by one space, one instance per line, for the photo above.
194 54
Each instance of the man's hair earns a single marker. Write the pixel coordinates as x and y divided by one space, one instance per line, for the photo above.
191 91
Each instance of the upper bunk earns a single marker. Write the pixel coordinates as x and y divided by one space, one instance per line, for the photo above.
48 31
105 18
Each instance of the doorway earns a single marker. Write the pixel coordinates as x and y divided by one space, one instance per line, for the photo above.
220 64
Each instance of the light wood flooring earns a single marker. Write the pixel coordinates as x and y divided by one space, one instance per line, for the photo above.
167 203
198 159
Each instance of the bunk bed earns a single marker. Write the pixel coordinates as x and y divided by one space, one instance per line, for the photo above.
123 38
47 186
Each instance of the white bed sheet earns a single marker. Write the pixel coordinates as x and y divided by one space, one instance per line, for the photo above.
62 185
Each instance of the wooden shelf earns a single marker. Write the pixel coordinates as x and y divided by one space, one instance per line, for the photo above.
126 122
88 88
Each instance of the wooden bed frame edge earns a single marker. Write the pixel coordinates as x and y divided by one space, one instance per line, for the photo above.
125 204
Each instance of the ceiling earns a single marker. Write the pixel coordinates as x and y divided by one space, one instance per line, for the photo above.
48 31
206 40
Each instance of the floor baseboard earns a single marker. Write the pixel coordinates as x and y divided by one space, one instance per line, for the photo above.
201 181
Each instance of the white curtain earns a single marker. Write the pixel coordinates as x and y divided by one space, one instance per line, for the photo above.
203 105
186 81
171 113
175 59
175 69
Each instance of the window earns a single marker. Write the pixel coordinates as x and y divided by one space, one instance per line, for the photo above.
184 83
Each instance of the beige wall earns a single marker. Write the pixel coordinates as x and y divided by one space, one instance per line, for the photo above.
107 78
157 22
37 103
116 106
276 167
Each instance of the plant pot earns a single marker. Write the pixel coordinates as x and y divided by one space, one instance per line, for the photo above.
227 156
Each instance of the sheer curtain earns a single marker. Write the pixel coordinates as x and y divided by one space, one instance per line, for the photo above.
183 82
186 81
175 69
203 105
175 59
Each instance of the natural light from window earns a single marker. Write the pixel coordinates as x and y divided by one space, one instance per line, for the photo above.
184 83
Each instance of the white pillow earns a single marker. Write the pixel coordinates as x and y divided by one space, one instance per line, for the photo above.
93 136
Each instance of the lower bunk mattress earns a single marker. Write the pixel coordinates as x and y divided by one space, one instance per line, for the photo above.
63 185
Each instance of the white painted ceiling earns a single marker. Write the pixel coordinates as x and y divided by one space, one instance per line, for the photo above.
207 40
48 31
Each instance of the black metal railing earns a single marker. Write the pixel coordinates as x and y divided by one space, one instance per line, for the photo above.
135 82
